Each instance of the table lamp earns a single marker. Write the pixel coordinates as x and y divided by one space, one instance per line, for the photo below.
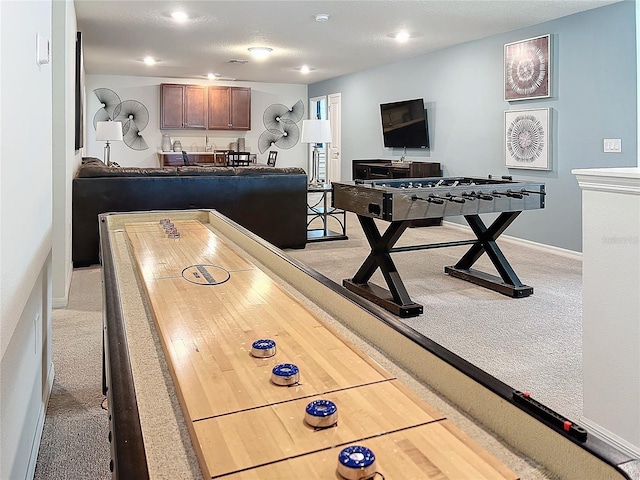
315 132
109 132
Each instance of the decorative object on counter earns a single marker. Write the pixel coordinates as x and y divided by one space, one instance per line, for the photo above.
527 69
316 132
109 101
177 146
527 138
166 143
241 144
233 146
280 122
109 132
132 114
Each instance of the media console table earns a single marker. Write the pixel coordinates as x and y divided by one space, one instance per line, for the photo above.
378 169
375 169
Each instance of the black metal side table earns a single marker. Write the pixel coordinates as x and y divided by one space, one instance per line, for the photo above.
319 207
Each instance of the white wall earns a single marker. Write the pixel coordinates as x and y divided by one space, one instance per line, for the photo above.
147 91
611 304
25 240
65 158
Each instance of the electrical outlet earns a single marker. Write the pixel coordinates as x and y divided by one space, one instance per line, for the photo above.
612 145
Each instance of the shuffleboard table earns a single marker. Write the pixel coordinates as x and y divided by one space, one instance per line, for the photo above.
187 295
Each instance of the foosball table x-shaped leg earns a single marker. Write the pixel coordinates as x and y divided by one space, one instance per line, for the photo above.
396 299
508 283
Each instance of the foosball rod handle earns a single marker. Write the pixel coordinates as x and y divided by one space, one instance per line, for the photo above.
533 191
431 199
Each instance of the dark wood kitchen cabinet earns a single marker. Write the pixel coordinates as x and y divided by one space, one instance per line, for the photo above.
229 108
183 106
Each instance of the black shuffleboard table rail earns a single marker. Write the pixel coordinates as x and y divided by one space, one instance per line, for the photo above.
128 457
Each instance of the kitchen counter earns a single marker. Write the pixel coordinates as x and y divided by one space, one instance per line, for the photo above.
160 152
171 159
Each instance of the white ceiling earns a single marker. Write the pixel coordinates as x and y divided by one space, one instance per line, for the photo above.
117 35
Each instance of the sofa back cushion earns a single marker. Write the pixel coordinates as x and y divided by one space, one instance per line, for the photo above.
267 170
99 169
195 170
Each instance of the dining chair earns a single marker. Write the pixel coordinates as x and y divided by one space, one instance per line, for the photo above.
271 161
238 159
220 158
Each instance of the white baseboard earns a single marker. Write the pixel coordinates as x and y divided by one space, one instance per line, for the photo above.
35 447
611 438
526 243
62 302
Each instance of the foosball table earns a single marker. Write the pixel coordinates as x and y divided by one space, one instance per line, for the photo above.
401 201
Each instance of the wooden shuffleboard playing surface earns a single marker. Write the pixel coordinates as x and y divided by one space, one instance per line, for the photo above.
209 304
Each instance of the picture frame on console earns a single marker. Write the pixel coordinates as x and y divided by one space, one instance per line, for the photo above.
527 138
527 69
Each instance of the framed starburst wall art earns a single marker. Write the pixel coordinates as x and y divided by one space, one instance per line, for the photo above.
527 138
527 69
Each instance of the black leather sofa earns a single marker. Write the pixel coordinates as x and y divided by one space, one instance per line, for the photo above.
270 202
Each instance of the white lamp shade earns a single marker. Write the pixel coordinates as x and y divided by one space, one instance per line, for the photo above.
109 131
316 131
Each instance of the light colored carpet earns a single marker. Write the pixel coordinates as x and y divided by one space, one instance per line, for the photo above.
74 441
533 344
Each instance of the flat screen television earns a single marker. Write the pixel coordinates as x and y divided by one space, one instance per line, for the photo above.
404 124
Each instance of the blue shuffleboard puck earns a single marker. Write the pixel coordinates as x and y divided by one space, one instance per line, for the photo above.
263 348
285 374
356 463
321 413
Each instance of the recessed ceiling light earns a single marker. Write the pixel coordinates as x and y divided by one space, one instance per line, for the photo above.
213 76
179 16
260 53
149 60
322 17
402 36
305 69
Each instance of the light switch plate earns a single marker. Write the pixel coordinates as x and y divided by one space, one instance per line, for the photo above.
612 145
43 53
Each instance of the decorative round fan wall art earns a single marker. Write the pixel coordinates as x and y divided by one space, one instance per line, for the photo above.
527 139
133 115
109 100
527 69
281 129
